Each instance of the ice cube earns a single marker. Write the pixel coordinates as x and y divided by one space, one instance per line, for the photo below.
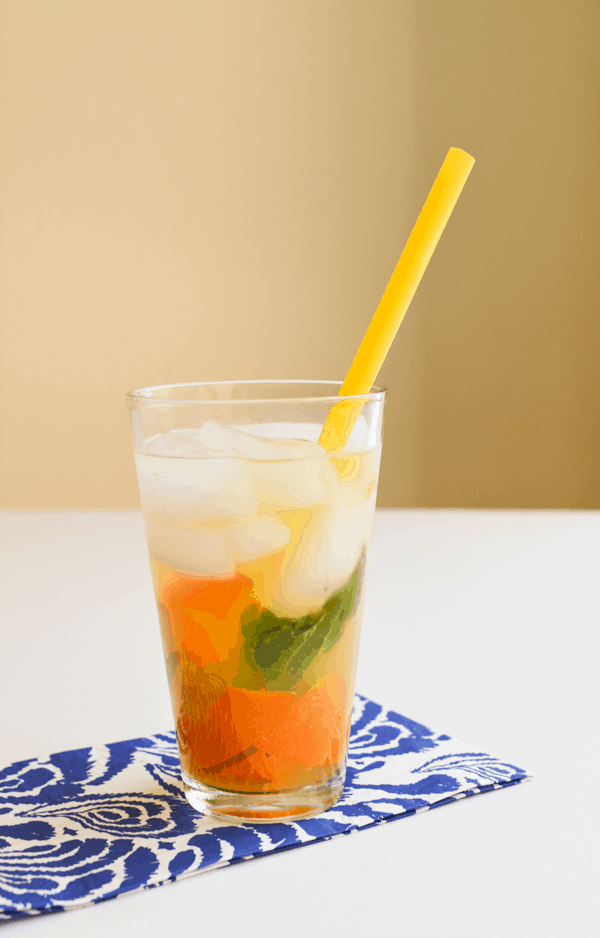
221 440
304 580
194 550
287 472
328 553
359 437
294 484
260 536
347 537
215 440
181 443
196 489
283 431
304 476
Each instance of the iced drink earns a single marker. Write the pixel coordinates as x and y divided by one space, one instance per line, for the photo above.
257 540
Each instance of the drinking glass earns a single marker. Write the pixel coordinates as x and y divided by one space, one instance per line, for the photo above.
258 541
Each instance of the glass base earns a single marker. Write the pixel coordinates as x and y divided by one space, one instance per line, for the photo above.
238 806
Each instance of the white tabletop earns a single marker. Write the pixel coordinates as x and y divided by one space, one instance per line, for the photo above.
481 624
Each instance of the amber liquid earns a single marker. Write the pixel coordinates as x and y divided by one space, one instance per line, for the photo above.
261 637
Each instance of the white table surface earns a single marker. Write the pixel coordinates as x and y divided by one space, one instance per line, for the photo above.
481 624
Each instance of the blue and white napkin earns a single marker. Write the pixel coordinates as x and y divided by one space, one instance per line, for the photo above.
86 825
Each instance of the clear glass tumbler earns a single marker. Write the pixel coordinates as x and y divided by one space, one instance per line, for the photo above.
258 541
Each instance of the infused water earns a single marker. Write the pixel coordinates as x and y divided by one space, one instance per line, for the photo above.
257 540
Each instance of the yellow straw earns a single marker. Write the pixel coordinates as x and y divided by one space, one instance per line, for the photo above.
397 297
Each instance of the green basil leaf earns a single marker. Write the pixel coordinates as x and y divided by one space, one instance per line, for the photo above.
278 650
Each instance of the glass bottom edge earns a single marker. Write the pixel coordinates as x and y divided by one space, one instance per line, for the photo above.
257 808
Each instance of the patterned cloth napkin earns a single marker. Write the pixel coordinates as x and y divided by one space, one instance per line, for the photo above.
86 825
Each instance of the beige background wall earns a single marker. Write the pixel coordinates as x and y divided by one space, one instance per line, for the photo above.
208 189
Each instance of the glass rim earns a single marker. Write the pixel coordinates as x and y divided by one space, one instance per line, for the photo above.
143 394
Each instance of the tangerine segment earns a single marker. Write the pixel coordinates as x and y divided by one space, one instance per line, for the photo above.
225 740
318 719
204 614
305 728
256 740
205 730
